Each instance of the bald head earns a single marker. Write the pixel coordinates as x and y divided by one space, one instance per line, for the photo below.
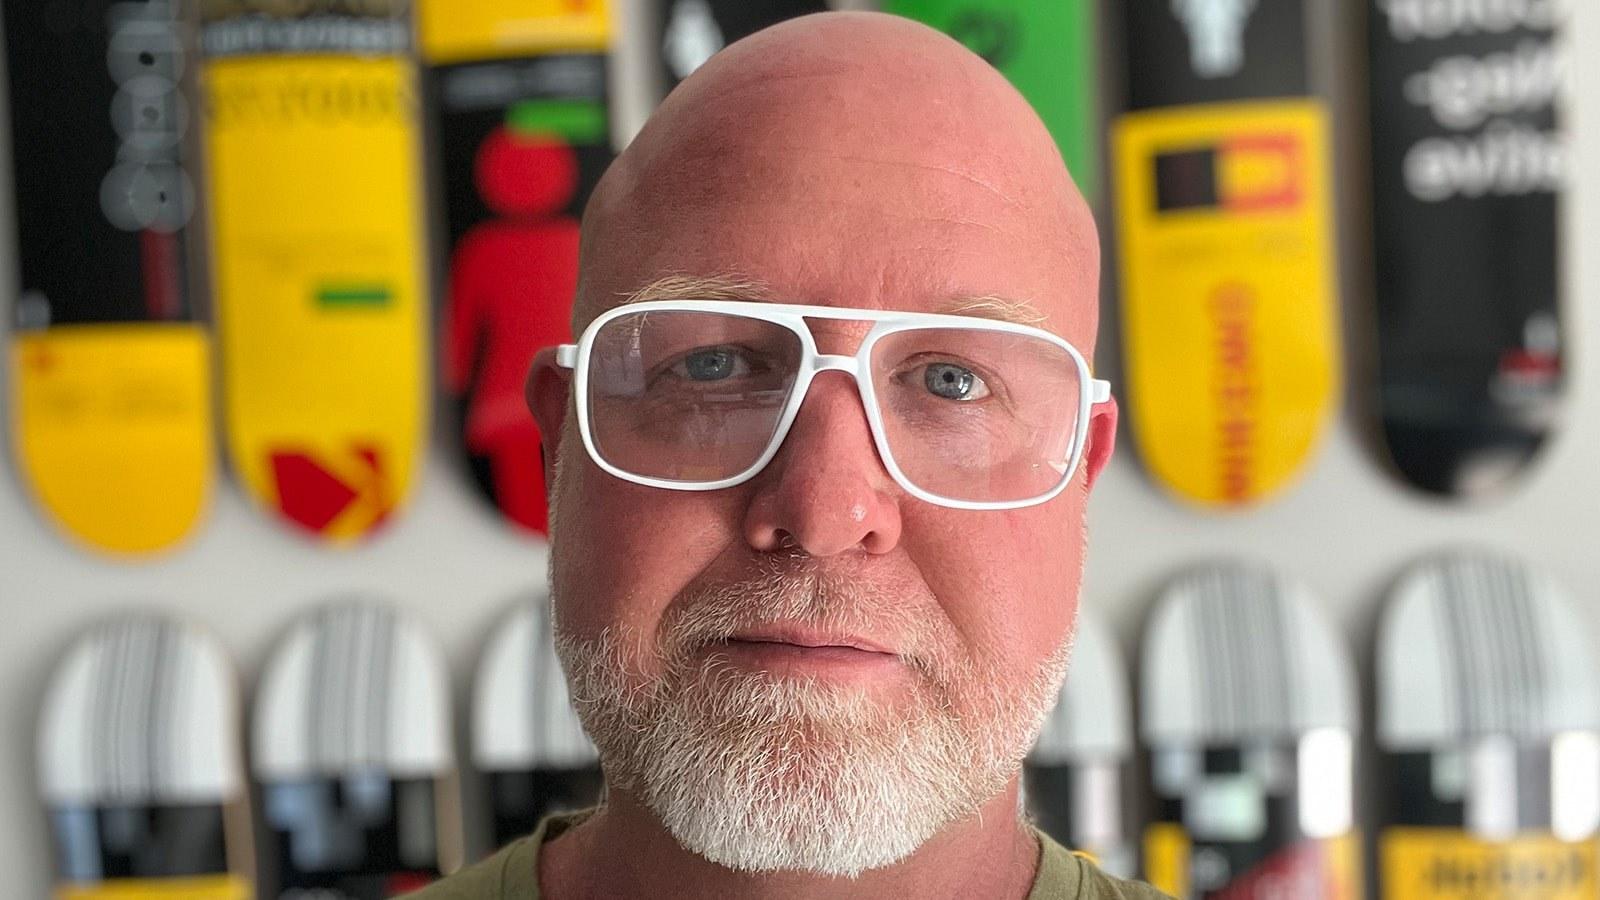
854 159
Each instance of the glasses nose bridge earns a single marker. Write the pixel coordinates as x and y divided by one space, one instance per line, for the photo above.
850 366
835 362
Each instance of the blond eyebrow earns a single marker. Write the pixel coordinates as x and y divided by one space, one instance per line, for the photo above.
993 306
700 287
726 287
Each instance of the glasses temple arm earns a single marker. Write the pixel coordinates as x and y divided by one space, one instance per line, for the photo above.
567 356
1099 391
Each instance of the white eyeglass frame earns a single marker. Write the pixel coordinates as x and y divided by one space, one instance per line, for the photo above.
1092 391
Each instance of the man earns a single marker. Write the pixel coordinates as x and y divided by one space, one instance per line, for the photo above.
814 622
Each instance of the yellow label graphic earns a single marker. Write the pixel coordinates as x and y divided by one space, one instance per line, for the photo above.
455 30
1328 869
1443 864
318 258
1166 858
113 430
1225 221
219 887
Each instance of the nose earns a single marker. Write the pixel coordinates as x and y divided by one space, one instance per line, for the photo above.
826 492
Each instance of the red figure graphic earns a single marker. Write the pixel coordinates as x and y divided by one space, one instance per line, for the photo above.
512 281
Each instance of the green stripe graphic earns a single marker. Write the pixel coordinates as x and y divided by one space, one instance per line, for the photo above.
576 121
348 295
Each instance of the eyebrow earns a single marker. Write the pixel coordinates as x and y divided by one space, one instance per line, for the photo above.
725 287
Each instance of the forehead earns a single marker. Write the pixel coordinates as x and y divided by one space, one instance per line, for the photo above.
819 227
731 288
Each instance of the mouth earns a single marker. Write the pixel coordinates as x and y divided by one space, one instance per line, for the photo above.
803 652
806 639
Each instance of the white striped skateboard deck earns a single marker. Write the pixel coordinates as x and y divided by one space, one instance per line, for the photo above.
1250 713
1075 778
1489 736
526 739
353 751
140 766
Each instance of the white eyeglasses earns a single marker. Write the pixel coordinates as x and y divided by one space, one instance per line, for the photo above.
965 412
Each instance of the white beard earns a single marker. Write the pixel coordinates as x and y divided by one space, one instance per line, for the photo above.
761 773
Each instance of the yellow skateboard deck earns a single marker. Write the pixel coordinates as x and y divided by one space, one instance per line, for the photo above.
113 429
1447 864
451 31
1225 223
220 887
319 267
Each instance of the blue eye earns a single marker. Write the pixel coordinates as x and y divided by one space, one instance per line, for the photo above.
953 382
714 364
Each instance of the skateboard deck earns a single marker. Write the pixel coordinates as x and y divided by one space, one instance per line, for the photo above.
1250 712
1466 187
1489 736
517 102
140 766
353 751
1075 777
526 739
1225 225
110 380
687 32
316 213
1049 51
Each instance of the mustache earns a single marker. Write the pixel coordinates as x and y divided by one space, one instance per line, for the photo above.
795 589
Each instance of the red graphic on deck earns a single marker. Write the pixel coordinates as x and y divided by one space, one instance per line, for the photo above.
1285 155
512 280
315 495
1237 390
1301 870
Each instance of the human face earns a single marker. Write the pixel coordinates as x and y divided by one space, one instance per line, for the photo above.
815 639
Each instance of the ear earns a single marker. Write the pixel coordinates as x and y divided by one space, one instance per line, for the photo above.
548 393
1102 438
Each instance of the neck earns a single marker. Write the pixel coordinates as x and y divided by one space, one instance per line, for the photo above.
623 851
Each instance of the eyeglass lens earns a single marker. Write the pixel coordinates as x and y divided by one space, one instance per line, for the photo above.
968 414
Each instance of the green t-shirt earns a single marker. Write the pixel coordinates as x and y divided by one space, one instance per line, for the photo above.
513 873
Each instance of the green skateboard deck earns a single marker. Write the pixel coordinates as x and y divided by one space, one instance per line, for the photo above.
1048 49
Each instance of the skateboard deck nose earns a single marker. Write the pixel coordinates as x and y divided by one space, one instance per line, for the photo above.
113 430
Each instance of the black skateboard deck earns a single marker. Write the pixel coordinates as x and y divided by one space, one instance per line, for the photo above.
686 33
517 103
1468 170
110 372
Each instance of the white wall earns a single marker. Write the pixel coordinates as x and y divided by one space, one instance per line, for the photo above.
1347 530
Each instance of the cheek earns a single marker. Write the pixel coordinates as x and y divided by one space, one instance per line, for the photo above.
1008 581
623 551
